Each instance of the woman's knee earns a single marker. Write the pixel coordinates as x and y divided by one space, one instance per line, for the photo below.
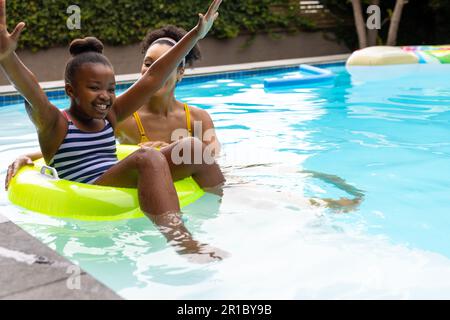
188 151
193 147
192 144
149 158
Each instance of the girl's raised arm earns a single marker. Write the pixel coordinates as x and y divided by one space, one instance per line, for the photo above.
157 74
43 114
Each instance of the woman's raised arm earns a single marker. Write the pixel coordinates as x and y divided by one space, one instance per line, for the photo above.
155 77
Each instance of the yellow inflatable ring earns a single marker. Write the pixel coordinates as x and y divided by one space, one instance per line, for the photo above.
32 190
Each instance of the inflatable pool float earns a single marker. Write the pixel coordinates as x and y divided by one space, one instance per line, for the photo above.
33 189
386 55
381 63
312 75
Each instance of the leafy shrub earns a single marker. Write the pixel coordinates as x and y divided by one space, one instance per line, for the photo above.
122 22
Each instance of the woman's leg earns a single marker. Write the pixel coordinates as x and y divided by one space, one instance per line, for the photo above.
148 171
342 204
192 151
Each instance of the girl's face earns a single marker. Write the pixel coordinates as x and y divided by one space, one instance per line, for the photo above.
153 53
93 91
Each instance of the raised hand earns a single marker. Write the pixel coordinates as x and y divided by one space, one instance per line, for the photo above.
8 41
206 21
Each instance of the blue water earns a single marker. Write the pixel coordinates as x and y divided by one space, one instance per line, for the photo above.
386 135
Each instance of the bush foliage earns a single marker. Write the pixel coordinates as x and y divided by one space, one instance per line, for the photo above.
121 22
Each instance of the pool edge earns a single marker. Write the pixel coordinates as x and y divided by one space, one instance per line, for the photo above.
9 90
33 271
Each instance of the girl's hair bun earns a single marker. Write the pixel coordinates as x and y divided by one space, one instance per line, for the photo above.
88 44
87 50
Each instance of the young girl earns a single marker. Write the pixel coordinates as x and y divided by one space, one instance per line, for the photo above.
80 142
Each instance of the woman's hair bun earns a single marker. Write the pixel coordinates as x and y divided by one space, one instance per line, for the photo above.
88 44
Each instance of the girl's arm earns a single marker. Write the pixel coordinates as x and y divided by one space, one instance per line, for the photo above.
155 77
43 114
20 162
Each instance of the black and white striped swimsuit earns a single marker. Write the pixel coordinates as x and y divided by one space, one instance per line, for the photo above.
85 156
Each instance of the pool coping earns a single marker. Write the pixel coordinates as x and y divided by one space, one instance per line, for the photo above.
33 271
49 281
204 71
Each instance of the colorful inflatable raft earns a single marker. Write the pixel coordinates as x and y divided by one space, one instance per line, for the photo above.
385 55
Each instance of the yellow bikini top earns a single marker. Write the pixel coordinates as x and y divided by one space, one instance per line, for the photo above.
144 137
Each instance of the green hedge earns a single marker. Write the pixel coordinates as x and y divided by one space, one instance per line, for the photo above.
121 22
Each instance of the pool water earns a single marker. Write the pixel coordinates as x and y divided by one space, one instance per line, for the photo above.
389 138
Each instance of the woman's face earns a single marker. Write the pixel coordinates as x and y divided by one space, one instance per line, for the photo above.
154 53
94 90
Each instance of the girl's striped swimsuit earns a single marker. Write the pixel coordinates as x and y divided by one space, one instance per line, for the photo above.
85 156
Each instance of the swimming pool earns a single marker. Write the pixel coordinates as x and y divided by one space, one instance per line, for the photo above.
388 138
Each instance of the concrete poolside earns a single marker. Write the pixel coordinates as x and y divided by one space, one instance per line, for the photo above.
31 270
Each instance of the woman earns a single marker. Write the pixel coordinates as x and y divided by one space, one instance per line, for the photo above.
155 123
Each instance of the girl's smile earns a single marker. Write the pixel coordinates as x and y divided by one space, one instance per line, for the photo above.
94 92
